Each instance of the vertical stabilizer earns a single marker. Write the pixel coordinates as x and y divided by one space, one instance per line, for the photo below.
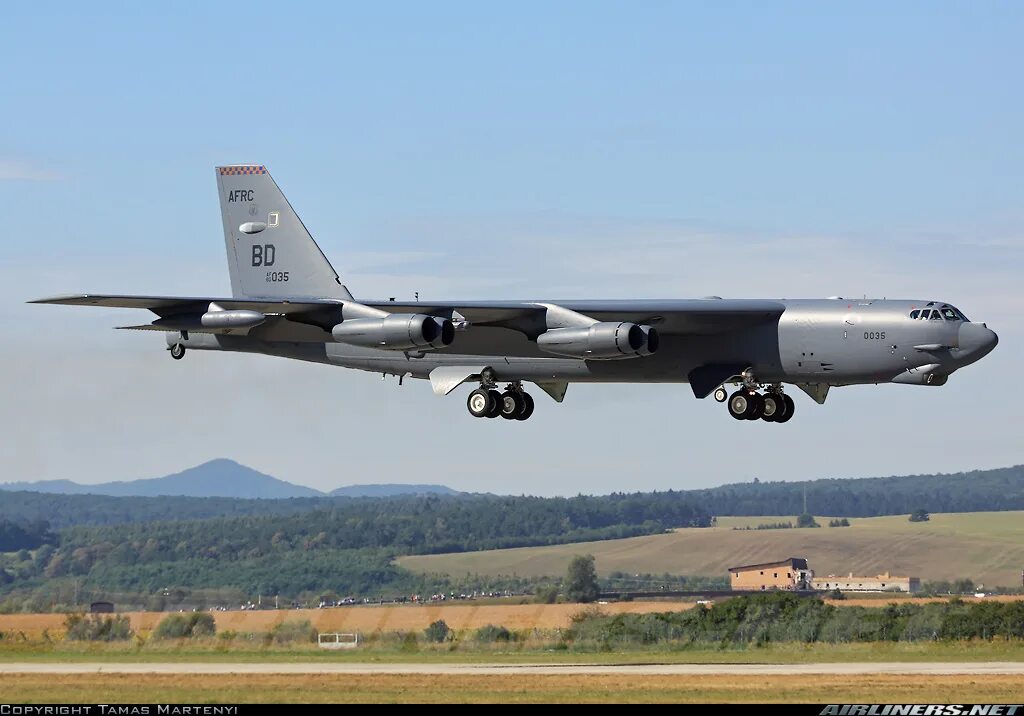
270 252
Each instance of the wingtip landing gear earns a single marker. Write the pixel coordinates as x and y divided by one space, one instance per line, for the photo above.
177 351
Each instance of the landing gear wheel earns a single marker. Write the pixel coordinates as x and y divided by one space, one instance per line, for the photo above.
527 410
790 407
496 403
756 406
739 404
480 403
511 404
177 351
774 407
721 394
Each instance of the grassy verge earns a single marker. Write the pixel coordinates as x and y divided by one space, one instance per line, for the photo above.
347 688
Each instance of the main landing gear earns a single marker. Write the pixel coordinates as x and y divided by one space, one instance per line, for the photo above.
773 406
513 404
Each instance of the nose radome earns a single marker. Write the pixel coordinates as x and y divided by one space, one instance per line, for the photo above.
977 339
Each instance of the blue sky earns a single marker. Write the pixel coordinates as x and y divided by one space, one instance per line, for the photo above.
464 151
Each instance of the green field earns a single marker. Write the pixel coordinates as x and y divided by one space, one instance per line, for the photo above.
987 547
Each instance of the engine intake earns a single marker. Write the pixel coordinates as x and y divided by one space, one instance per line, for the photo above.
396 332
606 340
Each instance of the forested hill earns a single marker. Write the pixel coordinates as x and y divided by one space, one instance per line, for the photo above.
67 510
141 545
983 490
976 491
348 548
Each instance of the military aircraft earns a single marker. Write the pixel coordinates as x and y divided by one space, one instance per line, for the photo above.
287 301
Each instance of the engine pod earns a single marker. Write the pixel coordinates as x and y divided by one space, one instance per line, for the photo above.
396 332
606 340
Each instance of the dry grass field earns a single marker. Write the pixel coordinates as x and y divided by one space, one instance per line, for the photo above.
399 618
364 619
987 547
517 688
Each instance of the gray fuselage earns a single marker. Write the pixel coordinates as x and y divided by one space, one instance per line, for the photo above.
811 341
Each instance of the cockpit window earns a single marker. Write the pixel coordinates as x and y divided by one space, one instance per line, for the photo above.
915 314
936 316
949 314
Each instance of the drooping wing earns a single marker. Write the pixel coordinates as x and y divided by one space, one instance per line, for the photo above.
173 305
670 316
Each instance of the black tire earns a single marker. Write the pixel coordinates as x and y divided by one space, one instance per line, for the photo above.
790 407
496 403
756 406
177 351
527 410
774 407
739 404
511 404
480 403
783 413
721 394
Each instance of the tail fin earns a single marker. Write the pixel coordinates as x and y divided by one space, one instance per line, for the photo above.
270 252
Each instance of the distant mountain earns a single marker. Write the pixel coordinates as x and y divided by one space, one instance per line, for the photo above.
220 478
391 490
217 478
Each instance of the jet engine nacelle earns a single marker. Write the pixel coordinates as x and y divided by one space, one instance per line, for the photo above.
607 340
396 332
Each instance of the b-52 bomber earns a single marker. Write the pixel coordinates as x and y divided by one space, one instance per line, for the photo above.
287 301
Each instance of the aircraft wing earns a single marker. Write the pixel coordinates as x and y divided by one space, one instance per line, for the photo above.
172 305
671 316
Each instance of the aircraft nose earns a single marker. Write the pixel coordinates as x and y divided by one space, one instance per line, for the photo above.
977 340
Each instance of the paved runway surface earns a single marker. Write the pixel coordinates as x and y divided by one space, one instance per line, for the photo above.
933 668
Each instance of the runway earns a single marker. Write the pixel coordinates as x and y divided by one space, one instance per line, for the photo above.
853 668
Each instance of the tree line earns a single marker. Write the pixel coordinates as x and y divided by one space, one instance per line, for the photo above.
348 549
784 617
1000 489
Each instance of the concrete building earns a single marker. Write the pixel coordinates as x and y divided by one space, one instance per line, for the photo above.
880 583
788 574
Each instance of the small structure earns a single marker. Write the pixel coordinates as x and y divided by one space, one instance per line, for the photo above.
788 574
337 640
879 583
101 608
